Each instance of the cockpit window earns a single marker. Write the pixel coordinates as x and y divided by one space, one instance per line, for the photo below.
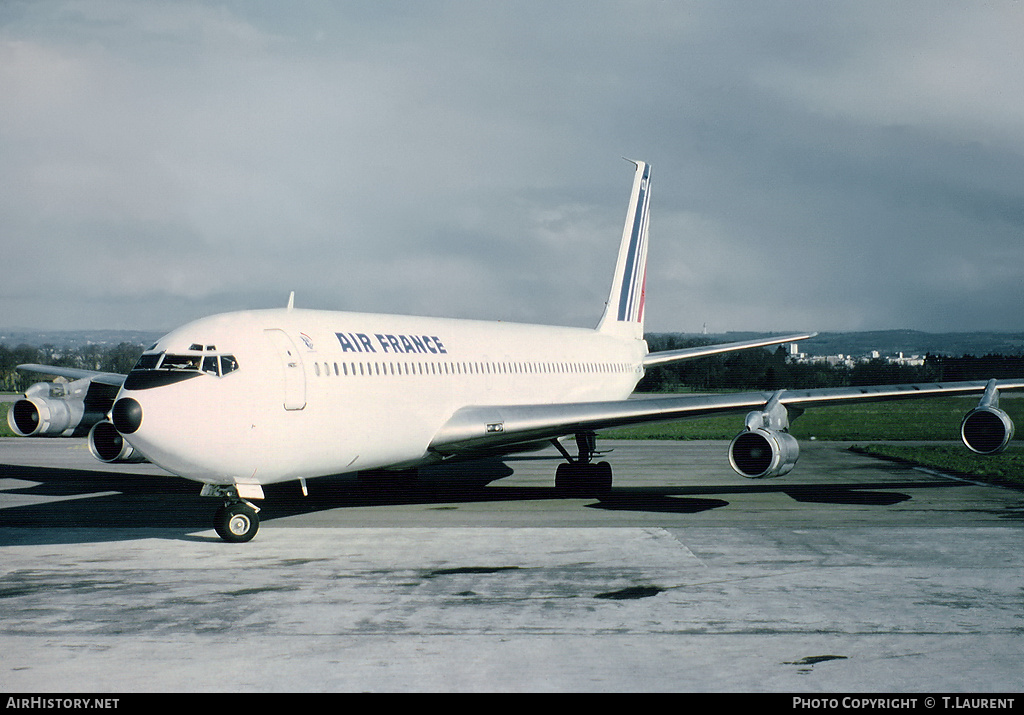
228 364
181 362
210 365
216 365
147 362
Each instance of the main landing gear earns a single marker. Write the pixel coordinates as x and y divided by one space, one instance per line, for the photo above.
237 520
581 476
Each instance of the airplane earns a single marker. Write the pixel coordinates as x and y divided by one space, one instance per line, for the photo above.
241 400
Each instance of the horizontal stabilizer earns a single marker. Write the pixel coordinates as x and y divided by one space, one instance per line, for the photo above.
665 356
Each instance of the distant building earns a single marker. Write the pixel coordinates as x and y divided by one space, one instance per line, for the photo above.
900 359
851 360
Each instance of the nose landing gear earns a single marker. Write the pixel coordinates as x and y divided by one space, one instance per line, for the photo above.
237 520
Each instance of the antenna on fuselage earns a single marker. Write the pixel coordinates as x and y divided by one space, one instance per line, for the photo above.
291 301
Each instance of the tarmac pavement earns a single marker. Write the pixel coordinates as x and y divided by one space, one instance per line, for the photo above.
850 574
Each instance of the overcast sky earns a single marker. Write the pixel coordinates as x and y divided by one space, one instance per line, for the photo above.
816 166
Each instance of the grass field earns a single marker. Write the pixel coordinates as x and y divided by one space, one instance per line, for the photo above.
5 431
1006 468
934 419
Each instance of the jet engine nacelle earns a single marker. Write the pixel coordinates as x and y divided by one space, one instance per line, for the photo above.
766 448
761 453
107 445
986 430
51 409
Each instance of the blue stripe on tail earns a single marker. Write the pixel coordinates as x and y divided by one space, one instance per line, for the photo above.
631 294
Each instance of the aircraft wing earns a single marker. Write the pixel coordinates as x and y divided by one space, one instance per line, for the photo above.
489 429
72 373
666 356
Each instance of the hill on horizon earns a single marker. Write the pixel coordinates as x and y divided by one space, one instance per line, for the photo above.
12 337
886 342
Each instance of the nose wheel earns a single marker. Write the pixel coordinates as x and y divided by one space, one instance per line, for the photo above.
236 522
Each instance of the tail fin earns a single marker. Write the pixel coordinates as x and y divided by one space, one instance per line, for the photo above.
624 314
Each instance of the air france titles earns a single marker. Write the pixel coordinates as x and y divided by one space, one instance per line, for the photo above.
400 344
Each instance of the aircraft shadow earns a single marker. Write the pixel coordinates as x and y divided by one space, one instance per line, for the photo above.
655 503
113 506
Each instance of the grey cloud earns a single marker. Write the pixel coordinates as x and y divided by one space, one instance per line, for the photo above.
816 166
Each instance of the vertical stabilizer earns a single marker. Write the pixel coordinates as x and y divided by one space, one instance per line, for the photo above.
624 314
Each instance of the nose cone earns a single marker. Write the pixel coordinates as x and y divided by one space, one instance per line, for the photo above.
127 415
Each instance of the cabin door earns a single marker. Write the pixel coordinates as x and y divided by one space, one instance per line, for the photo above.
294 374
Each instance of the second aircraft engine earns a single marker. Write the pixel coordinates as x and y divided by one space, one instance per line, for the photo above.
986 430
766 448
107 445
761 453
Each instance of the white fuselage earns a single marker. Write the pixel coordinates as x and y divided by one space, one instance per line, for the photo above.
320 392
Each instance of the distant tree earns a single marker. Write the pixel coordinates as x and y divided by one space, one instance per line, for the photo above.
11 379
970 367
882 372
121 358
